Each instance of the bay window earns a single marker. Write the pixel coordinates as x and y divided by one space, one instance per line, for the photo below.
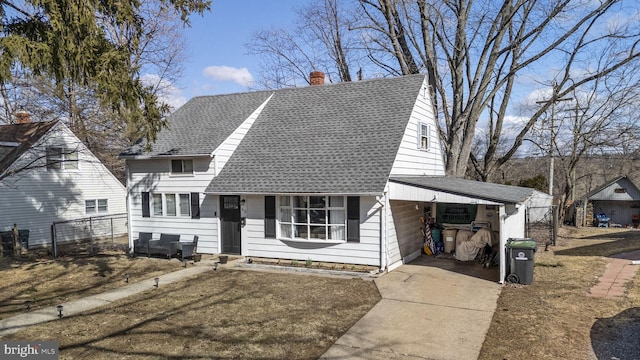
312 218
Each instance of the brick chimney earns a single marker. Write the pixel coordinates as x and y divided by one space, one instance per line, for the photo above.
316 78
22 117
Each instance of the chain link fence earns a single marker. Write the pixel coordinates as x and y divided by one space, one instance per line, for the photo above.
91 235
542 224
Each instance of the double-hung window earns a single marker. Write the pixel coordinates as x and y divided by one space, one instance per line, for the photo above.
61 158
313 218
182 167
157 204
96 206
423 136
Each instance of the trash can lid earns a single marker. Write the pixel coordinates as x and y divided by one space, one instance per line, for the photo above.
522 244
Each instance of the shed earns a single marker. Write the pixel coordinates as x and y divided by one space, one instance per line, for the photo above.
617 199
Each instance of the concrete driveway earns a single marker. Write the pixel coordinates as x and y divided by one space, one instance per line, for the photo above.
426 312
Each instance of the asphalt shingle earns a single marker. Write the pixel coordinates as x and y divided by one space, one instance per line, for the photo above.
203 123
340 138
481 190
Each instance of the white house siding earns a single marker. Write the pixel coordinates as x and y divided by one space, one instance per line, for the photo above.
34 199
410 160
405 237
413 193
512 219
366 252
154 176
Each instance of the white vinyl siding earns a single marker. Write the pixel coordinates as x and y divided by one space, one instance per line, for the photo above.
365 252
407 238
412 158
34 199
164 182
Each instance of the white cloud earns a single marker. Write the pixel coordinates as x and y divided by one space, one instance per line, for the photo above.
240 76
167 92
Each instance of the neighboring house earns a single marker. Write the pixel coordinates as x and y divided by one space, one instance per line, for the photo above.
47 175
618 199
336 173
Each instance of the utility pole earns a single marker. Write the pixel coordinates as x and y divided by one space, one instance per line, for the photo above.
554 99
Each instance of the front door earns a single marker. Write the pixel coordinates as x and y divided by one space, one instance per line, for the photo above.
230 222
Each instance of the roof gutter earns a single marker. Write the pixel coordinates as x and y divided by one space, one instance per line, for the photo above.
150 157
291 193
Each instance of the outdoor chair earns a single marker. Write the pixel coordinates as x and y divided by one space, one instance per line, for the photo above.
141 244
188 249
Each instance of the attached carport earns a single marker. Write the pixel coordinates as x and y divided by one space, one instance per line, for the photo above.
511 201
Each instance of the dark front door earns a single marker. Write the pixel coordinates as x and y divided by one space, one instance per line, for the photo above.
230 222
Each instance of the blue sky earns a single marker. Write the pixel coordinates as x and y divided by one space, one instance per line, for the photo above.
218 62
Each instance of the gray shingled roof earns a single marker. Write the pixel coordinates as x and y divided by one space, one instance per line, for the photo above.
340 138
487 191
199 126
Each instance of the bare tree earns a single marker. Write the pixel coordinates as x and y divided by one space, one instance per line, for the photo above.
475 51
603 121
321 40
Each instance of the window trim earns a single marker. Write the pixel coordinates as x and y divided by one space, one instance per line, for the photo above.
308 208
164 205
421 136
182 171
96 206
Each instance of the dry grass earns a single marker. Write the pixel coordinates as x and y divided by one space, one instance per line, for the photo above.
553 318
227 314
48 282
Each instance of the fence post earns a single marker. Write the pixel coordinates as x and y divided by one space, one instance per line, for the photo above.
112 241
54 248
91 234
555 225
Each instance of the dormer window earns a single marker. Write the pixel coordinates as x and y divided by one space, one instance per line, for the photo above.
62 158
182 167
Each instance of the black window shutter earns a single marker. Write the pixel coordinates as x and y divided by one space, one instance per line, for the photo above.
353 219
270 217
145 204
195 205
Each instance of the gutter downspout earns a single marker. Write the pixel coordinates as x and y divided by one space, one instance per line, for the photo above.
502 215
128 175
383 234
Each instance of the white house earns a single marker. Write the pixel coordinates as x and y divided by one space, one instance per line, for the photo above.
48 175
334 173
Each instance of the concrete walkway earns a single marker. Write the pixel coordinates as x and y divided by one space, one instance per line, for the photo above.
425 313
19 322
618 272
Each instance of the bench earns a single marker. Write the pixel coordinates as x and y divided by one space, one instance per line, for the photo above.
167 245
